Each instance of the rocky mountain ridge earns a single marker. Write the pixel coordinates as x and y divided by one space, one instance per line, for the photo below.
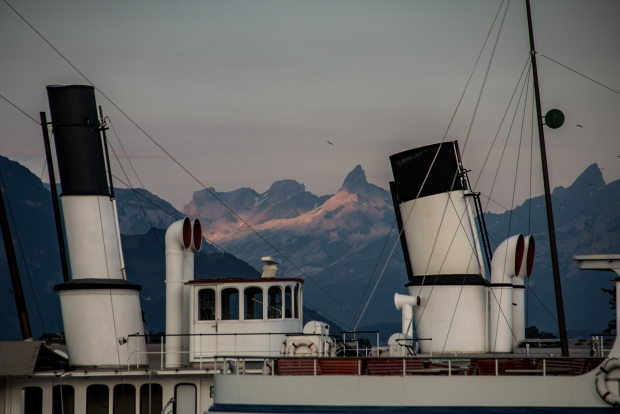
336 241
341 244
339 241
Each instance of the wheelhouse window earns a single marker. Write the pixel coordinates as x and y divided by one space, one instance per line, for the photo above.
185 397
152 399
97 399
206 305
230 304
32 402
63 400
274 305
253 298
124 399
288 302
297 301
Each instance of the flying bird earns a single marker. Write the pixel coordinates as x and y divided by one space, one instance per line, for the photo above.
579 126
582 212
329 143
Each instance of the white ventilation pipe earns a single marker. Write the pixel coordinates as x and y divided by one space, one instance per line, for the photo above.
518 290
178 238
505 265
188 274
406 304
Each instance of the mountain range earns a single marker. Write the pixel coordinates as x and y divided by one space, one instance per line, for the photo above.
32 224
335 240
341 244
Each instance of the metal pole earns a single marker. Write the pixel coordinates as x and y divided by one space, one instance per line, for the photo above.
57 219
543 155
22 312
107 156
150 378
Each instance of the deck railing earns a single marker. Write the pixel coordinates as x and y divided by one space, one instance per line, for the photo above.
364 363
407 366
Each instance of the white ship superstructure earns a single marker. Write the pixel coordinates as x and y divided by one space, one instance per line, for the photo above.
241 345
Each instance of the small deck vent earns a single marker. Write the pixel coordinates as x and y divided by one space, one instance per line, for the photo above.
270 269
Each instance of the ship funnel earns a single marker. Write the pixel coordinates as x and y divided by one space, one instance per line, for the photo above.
441 240
98 304
506 264
518 290
406 304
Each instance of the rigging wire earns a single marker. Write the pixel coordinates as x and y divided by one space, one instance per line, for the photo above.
507 209
484 81
525 82
474 252
433 162
578 73
136 197
505 143
527 61
184 168
165 211
373 273
146 198
499 32
107 268
514 188
136 193
126 155
541 302
466 141
180 164
19 109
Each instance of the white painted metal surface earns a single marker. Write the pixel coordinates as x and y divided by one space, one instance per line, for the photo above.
241 336
405 304
505 265
270 269
178 238
92 240
409 391
454 317
439 235
95 320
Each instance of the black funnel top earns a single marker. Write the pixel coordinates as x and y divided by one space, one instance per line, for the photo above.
78 143
410 168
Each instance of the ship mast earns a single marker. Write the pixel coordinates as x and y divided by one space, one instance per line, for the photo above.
543 155
22 312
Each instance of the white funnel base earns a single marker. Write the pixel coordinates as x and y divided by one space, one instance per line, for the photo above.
436 319
95 319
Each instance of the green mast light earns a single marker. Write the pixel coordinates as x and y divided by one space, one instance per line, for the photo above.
554 119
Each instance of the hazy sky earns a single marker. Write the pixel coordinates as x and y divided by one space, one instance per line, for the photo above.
244 93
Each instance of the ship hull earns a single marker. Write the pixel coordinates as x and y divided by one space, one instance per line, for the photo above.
411 394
